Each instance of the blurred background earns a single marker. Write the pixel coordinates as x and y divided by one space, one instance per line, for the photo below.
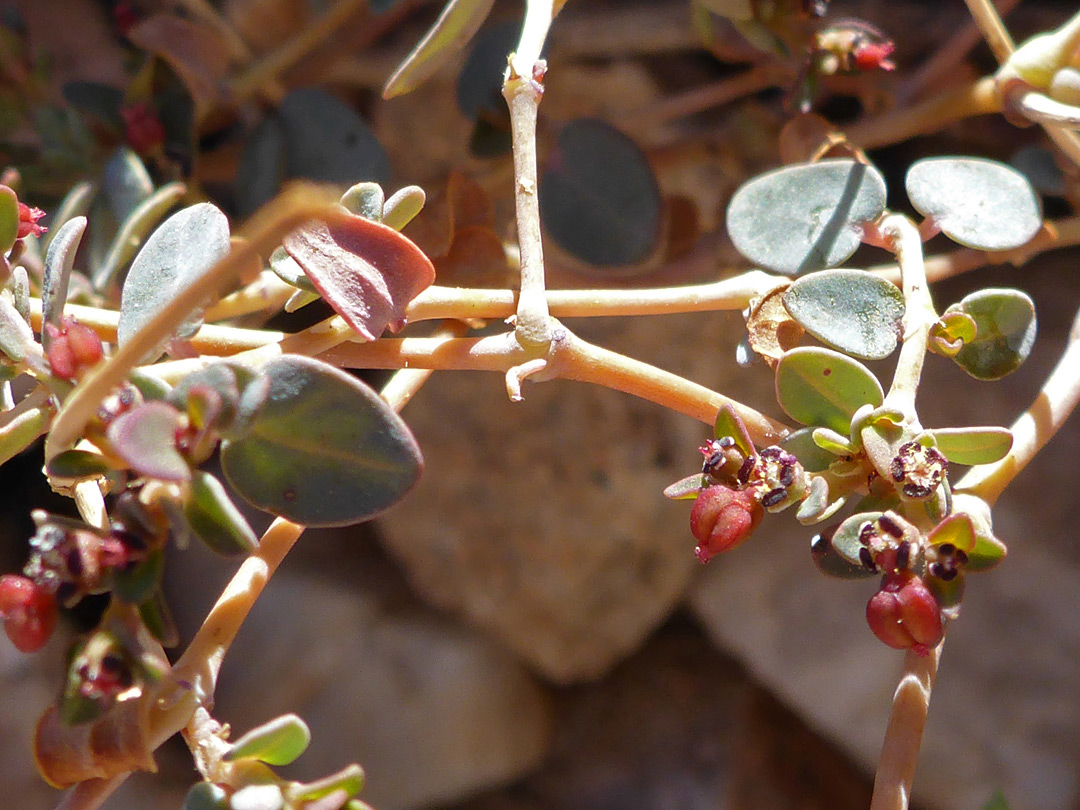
529 629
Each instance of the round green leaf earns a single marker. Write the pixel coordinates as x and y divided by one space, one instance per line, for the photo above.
979 203
599 199
974 445
812 456
729 423
185 245
145 438
277 742
365 200
850 310
805 217
845 540
822 387
214 519
403 206
1005 328
9 218
323 450
16 336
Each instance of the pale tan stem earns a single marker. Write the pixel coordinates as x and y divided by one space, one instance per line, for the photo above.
903 736
919 314
267 293
404 384
993 29
1035 427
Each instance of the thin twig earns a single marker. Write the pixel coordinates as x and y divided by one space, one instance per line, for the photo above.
993 29
919 313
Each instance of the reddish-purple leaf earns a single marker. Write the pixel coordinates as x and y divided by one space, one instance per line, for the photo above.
366 271
145 438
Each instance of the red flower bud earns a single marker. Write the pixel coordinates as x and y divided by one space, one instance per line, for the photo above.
722 518
905 615
72 348
29 612
874 56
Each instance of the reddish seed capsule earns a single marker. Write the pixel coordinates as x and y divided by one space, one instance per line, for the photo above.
722 518
29 612
905 615
72 348
28 221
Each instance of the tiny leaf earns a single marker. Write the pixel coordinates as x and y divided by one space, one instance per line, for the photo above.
365 200
831 563
16 336
845 540
956 529
979 203
349 779
403 205
849 310
145 438
599 198
77 464
214 519
685 489
59 261
1005 328
822 387
366 271
323 450
974 445
951 332
185 245
136 584
816 501
288 270
206 796
457 24
278 742
729 423
801 443
805 217
9 219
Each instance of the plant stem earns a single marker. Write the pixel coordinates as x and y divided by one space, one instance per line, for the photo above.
1035 427
404 384
266 293
919 314
903 736
993 29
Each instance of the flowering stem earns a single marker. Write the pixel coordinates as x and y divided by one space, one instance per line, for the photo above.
919 314
903 736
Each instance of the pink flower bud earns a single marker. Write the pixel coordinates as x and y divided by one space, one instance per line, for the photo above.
29 612
28 221
72 348
722 518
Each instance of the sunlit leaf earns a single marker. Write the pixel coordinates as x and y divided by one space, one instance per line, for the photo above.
729 423
277 742
974 445
288 270
599 199
349 779
214 519
145 438
801 443
685 489
950 332
257 797
832 562
850 310
459 21
1005 328
366 271
16 336
979 203
9 218
822 387
403 205
805 217
134 229
185 245
59 261
323 450
365 200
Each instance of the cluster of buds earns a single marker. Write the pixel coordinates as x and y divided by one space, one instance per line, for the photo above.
850 46
29 612
28 222
73 348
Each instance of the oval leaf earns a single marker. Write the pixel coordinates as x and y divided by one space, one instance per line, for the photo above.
185 246
206 796
277 742
979 203
599 199
16 336
845 540
77 464
729 423
957 529
145 438
813 457
1005 328
832 563
805 217
366 271
9 218
134 229
59 261
850 310
974 445
455 26
214 519
822 387
323 450
349 779
685 489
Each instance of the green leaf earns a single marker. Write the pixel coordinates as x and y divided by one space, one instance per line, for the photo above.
815 503
979 203
948 593
457 24
9 219
805 217
59 261
599 198
349 779
832 442
852 311
822 387
16 336
206 796
136 584
365 200
956 529
845 540
126 183
973 445
323 450
729 423
75 204
77 464
403 205
1005 328
366 271
277 742
951 333
145 438
801 443
185 245
685 489
831 563
289 270
997 802
133 231
155 614
214 519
